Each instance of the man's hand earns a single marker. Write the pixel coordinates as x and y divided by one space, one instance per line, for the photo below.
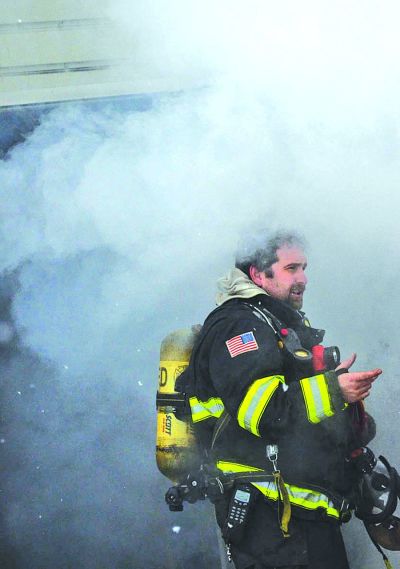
356 385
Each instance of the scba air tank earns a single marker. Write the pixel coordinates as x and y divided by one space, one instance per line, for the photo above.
176 448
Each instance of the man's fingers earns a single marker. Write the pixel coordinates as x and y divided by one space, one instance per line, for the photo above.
348 362
360 389
367 375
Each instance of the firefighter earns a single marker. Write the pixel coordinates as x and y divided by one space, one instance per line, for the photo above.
274 408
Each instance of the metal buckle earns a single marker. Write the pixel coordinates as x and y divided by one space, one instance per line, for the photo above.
272 455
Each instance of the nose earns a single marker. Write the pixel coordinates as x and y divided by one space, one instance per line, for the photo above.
301 277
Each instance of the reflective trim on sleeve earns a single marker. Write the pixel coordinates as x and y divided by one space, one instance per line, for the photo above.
201 410
301 497
317 398
255 402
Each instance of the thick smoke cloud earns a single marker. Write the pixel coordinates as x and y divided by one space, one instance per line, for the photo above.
118 222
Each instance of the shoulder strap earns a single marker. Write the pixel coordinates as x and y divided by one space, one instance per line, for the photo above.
267 317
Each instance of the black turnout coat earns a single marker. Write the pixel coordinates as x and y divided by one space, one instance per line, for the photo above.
246 391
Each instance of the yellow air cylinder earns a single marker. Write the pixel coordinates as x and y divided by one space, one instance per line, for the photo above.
176 448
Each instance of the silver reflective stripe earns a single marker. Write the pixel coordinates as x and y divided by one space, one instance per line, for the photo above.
317 396
255 402
201 410
252 406
264 391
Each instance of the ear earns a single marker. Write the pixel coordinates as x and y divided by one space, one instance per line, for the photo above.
255 275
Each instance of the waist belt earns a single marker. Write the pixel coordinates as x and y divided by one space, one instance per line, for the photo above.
311 499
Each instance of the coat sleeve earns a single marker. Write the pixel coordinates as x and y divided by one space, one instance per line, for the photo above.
246 370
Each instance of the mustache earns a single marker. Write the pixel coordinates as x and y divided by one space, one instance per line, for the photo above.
298 288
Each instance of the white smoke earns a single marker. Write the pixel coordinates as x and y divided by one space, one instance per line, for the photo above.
119 222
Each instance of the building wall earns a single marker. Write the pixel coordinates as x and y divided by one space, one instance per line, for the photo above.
57 50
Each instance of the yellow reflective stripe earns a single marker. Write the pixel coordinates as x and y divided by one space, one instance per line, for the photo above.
308 499
255 402
301 497
317 398
201 410
236 467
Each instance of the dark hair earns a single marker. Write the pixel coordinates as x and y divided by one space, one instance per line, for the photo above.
261 249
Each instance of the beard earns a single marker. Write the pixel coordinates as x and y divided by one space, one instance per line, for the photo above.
295 296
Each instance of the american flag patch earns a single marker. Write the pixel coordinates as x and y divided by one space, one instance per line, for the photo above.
240 344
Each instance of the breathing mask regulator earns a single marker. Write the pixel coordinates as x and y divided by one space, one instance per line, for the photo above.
320 357
301 345
377 495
